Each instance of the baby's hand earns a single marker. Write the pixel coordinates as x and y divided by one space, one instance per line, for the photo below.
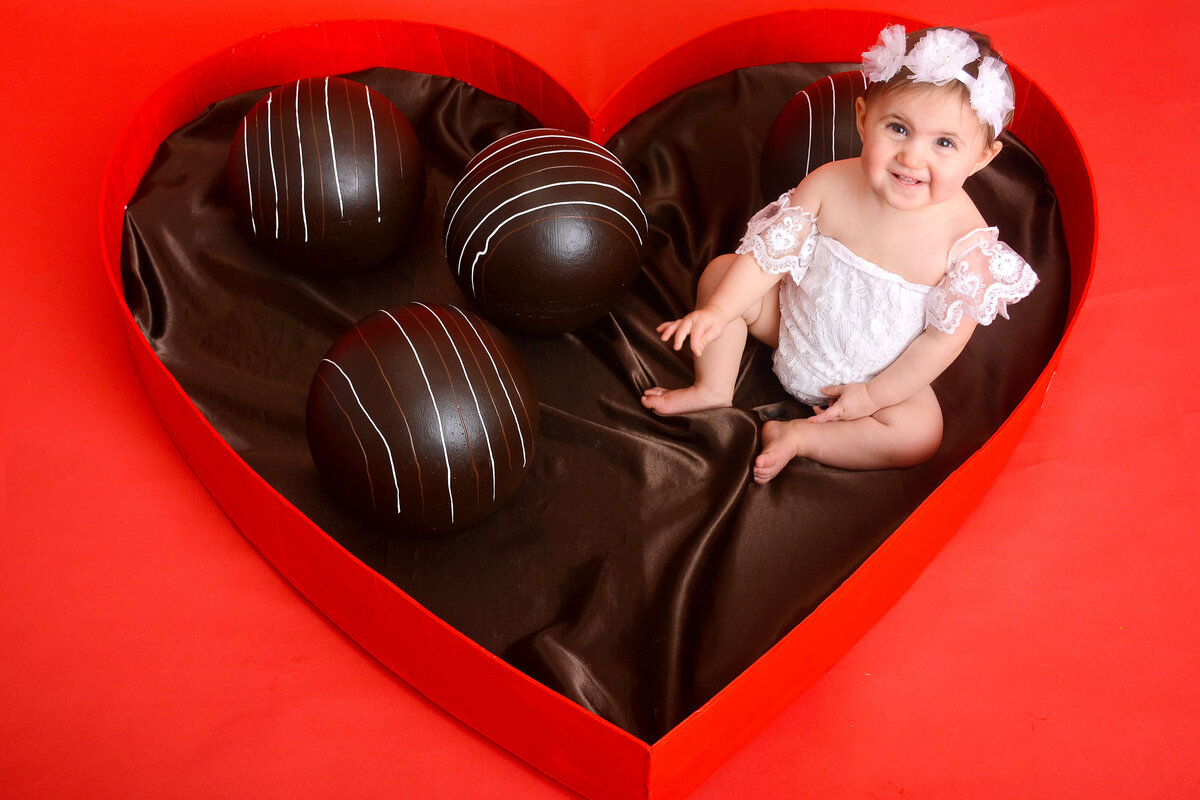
853 402
704 325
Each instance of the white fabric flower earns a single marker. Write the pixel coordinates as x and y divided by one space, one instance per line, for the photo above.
885 59
991 94
940 55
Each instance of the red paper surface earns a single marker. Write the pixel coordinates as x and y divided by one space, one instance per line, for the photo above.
150 651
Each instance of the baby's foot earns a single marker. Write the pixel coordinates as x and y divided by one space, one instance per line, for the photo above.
781 443
683 401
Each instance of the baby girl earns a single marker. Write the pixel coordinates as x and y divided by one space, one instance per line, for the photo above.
870 276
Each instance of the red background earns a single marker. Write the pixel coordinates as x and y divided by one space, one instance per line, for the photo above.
148 650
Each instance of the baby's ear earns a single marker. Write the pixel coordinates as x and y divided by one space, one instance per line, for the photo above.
860 114
989 152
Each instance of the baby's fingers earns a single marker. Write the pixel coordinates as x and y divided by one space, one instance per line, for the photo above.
833 411
668 329
701 336
681 332
829 414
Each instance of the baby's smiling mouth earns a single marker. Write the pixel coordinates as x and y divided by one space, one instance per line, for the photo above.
905 179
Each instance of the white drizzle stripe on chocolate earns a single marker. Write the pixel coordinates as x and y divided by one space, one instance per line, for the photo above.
382 438
547 187
862 75
285 195
540 154
808 159
483 422
833 121
436 410
498 228
333 151
375 151
519 139
271 158
316 143
300 145
813 92
503 386
482 374
249 183
361 447
431 337
399 408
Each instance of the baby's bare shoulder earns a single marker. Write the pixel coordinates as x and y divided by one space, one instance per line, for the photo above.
965 219
825 183
835 172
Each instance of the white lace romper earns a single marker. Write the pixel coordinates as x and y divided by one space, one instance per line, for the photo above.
845 319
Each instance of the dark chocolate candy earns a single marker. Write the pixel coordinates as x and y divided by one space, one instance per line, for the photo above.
327 175
545 231
817 126
422 417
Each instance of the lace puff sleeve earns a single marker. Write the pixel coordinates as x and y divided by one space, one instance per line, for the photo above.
983 277
780 237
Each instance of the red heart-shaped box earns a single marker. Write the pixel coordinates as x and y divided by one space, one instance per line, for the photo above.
557 736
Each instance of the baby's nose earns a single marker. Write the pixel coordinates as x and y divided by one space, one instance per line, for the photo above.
909 157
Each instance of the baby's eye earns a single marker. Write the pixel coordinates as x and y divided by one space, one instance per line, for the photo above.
896 127
945 141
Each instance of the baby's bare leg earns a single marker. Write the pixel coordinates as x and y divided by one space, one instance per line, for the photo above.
717 367
902 435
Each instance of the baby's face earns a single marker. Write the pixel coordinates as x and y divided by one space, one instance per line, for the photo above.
920 143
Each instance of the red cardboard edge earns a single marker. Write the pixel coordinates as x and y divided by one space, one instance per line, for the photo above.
550 732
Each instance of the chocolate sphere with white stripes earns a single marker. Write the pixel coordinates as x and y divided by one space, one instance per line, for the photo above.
327 176
423 418
818 125
545 231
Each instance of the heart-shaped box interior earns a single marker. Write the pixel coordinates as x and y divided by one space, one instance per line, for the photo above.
637 610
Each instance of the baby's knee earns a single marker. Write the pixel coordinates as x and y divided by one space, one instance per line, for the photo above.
923 446
713 273
921 439
916 430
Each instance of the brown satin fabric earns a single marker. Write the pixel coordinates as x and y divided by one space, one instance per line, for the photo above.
637 570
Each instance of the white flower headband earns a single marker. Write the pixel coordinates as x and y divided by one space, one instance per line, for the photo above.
938 58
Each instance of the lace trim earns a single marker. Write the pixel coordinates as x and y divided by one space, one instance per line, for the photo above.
980 289
780 237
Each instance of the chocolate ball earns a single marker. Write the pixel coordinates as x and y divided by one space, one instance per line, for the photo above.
327 175
545 231
422 417
816 126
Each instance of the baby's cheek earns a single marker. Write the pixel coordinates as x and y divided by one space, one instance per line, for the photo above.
945 185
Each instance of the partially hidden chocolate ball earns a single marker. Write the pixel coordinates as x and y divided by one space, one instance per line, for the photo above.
327 176
816 126
422 417
545 231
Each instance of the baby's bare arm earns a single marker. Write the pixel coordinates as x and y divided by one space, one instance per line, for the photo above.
741 286
922 361
739 289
